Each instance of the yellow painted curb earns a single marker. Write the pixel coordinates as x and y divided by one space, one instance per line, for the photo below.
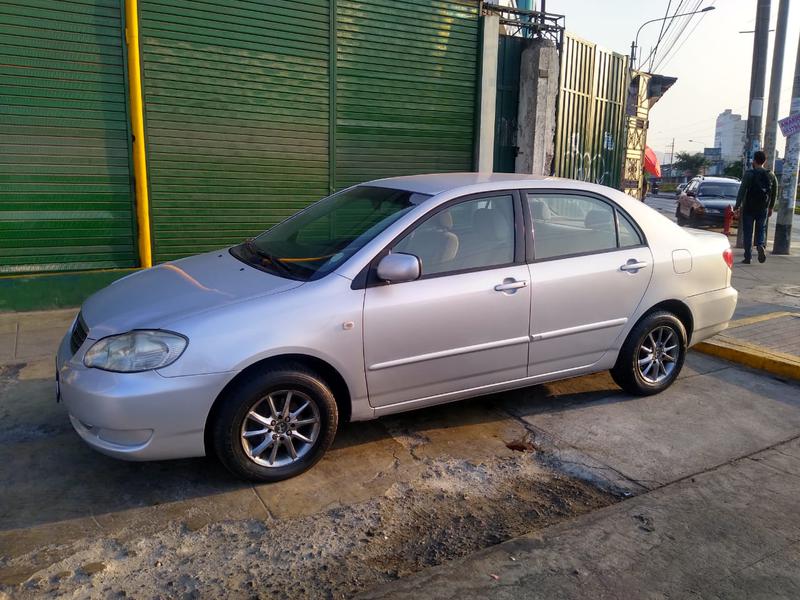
752 355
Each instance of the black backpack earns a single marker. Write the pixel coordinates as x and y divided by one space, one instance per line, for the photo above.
758 192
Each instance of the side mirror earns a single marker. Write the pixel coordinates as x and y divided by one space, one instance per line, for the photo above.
397 268
691 193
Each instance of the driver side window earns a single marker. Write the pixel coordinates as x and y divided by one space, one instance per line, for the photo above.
470 235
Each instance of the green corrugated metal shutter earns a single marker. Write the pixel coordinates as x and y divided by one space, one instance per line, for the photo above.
237 105
406 79
65 181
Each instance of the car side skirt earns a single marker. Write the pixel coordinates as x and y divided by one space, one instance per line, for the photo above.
603 364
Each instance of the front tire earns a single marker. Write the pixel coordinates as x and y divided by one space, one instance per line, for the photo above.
652 356
275 424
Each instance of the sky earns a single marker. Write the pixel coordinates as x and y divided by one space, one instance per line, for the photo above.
712 64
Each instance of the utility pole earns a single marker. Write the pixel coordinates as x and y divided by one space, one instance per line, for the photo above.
786 202
757 80
771 126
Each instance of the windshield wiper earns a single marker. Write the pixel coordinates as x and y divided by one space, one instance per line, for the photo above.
276 262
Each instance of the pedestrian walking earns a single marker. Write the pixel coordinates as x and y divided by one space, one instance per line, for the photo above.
754 205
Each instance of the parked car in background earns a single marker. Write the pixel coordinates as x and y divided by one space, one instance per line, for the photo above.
385 297
704 200
679 189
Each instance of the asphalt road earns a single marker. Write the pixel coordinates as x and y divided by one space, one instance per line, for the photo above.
666 204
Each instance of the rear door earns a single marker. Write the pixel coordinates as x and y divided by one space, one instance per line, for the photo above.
591 267
464 323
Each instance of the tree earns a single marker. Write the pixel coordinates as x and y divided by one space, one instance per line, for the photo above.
691 164
733 169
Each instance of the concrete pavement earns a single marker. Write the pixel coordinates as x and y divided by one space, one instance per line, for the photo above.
392 498
729 532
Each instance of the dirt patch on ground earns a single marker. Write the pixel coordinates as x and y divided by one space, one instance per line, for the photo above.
453 508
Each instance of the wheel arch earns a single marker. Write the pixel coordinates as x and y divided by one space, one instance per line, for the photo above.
678 308
331 376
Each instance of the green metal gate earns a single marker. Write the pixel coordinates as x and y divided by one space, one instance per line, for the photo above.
65 177
251 113
406 77
590 130
509 55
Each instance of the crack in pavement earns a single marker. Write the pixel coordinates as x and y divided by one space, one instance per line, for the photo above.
767 556
553 441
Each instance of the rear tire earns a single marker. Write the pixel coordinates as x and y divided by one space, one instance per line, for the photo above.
681 220
652 356
259 438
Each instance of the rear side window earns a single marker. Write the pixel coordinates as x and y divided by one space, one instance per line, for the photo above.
566 225
628 235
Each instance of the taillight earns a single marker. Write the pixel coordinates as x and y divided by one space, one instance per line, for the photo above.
727 256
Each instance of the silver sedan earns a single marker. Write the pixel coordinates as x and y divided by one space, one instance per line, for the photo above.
386 297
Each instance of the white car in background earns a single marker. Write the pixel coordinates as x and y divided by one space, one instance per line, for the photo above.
386 297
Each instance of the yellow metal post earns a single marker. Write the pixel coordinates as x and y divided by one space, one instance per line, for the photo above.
137 127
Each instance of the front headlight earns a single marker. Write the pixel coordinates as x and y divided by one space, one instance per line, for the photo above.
135 351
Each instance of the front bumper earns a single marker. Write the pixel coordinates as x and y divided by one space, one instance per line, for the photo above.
709 218
136 416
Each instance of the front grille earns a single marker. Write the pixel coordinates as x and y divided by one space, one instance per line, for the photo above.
79 333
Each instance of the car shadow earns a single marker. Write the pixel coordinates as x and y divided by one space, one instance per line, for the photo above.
47 474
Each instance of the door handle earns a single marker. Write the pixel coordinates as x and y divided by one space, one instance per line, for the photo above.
633 265
510 284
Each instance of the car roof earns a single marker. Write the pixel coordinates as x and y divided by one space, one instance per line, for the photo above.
719 180
436 183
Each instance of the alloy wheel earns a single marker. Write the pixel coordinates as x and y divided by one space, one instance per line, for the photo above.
658 354
280 428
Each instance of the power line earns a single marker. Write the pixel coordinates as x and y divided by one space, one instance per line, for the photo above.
664 32
677 33
668 58
677 36
653 53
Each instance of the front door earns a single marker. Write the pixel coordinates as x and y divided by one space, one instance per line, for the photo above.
464 323
591 270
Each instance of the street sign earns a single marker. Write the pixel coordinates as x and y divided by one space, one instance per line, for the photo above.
790 125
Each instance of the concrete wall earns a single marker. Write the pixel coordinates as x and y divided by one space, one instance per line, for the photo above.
538 95
490 40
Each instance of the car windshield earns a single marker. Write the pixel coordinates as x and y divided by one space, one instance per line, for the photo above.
319 239
719 189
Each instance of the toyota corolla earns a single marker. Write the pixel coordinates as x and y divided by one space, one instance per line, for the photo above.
387 297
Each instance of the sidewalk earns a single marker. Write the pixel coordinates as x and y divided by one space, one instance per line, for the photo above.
766 327
33 335
765 332
730 532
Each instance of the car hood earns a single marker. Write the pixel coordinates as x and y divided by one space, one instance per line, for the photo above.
155 298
